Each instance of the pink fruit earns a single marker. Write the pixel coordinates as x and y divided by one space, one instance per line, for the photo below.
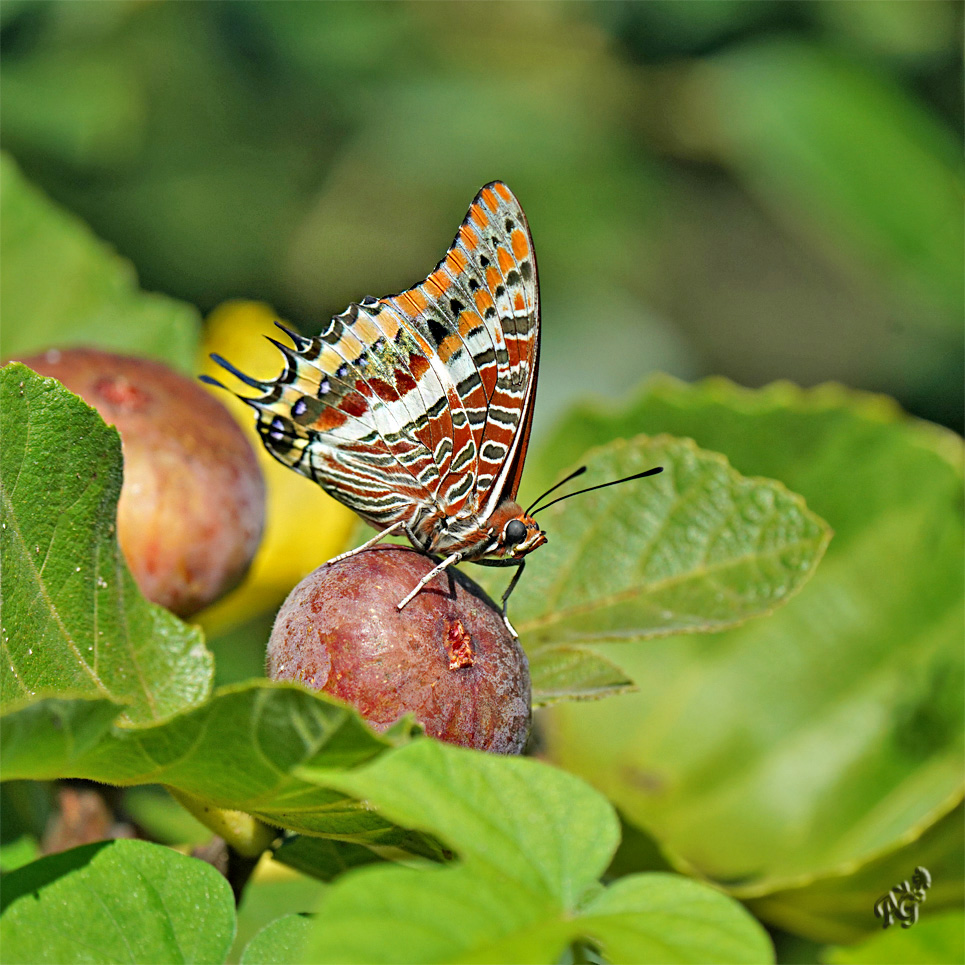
193 501
447 657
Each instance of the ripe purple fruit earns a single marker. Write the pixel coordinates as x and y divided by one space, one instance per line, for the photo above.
447 657
192 505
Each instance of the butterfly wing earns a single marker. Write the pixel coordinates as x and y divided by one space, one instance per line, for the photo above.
417 406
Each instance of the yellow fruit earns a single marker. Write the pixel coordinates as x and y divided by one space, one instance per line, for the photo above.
304 526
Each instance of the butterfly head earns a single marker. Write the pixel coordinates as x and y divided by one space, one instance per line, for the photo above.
516 532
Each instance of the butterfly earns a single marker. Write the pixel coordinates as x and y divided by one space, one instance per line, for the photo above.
415 409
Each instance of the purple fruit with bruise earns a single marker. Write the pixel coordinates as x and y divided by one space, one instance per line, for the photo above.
447 657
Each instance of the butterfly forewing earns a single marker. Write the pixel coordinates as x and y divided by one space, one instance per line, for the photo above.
416 408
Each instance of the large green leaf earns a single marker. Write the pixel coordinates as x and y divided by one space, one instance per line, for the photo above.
840 909
532 842
63 287
698 547
74 623
810 742
239 750
117 901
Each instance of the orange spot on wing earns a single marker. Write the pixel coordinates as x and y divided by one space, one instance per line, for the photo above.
412 302
493 277
478 217
503 191
468 236
518 304
505 260
418 366
437 283
468 320
489 198
456 261
483 301
520 244
329 419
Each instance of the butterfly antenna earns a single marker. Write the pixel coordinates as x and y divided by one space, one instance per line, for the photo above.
613 482
552 489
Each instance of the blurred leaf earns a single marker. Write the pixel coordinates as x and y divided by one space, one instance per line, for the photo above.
50 736
162 818
808 743
560 673
117 901
697 547
19 852
273 893
64 287
74 623
85 112
840 909
532 842
934 940
845 157
279 943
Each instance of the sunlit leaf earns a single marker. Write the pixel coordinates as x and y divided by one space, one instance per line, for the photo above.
73 621
116 901
531 842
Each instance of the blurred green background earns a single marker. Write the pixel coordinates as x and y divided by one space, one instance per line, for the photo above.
755 189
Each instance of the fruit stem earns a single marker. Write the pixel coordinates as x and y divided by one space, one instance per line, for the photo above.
243 832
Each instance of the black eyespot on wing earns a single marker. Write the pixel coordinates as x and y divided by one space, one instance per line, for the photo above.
437 330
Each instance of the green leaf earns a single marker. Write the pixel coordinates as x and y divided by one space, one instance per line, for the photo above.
117 901
696 548
74 623
839 910
62 286
532 842
847 158
326 859
239 750
279 943
938 940
48 737
654 918
806 744
560 673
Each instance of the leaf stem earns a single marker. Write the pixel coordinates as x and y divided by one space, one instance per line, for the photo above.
243 832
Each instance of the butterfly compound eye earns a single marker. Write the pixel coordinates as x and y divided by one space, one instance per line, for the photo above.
515 532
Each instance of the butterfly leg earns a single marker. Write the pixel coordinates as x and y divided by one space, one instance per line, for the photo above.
448 561
520 566
371 542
